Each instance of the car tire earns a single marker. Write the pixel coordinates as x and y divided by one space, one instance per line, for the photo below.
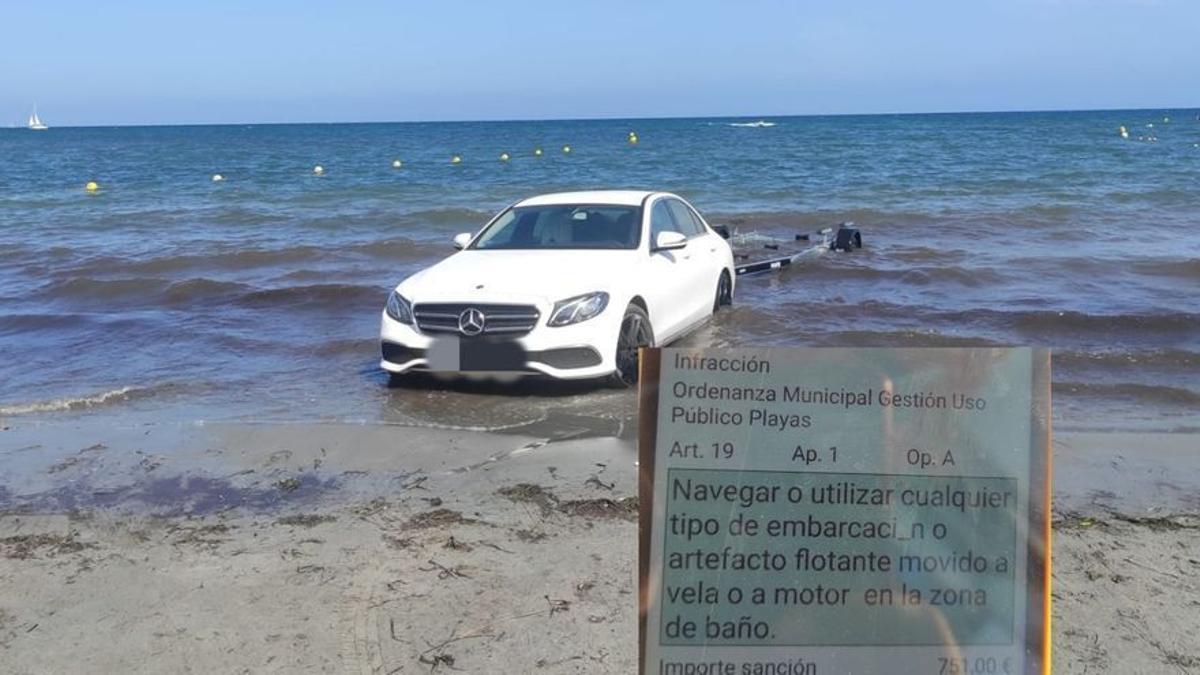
636 331
724 296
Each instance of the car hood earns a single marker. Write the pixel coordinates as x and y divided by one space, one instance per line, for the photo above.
519 276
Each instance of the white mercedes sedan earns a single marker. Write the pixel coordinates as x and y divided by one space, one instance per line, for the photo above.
566 285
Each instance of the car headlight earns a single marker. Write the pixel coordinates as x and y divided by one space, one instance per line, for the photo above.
579 308
399 309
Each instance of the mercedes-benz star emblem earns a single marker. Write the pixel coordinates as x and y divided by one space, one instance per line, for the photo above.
471 321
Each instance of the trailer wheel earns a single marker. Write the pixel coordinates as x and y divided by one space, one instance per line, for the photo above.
846 239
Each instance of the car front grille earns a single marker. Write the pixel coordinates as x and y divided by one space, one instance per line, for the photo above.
499 320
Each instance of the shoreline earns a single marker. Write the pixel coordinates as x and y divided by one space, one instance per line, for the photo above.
339 547
51 463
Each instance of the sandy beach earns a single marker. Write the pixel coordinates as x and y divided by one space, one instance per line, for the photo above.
393 549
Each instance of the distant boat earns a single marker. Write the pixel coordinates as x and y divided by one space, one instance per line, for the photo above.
35 122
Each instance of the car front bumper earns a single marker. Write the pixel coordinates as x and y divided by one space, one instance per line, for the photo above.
584 350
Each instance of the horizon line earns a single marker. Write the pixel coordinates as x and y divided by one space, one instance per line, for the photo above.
899 113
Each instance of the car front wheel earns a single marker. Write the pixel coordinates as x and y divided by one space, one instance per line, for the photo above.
636 332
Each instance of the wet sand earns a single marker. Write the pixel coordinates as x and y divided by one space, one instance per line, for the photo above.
380 549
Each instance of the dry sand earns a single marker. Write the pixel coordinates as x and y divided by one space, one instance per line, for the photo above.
376 549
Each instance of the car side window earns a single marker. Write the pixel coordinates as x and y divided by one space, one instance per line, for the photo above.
661 220
684 219
700 226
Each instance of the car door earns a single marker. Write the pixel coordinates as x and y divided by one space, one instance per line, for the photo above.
711 242
677 292
705 255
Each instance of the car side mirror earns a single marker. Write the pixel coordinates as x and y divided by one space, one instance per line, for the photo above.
462 239
667 241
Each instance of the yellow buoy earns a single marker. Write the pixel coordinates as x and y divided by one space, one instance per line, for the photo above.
537 152
633 139
217 178
318 169
504 157
455 159
91 186
396 164
567 149
1124 132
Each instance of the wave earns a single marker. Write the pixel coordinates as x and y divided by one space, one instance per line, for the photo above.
201 289
897 338
859 268
393 249
160 293
760 124
87 288
1139 393
349 346
315 296
1177 360
233 260
449 216
939 226
121 395
906 276
401 249
27 323
1188 268
229 260
826 313
144 291
17 253
243 216
354 210
789 222
1096 324
1038 320
926 254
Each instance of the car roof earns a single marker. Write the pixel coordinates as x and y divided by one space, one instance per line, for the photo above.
618 197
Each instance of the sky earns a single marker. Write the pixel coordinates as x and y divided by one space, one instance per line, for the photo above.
173 62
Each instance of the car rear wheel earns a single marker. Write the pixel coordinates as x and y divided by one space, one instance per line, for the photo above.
636 332
724 296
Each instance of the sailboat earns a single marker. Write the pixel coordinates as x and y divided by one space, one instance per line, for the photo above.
35 122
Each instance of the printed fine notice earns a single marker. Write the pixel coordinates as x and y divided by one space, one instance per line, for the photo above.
820 511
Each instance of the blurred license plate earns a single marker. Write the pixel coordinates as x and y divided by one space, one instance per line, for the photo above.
452 354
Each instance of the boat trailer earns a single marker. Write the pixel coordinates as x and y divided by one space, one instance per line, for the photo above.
755 253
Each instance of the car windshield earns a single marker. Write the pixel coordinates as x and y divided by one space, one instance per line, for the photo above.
564 226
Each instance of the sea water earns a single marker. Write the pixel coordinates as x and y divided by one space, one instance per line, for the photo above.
258 296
